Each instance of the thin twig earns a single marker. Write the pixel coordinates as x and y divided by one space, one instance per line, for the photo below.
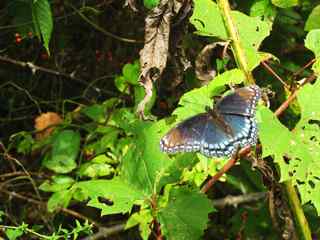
100 29
269 69
105 232
236 200
40 203
35 68
9 157
297 73
286 103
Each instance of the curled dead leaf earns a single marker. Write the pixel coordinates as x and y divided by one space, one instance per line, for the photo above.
205 70
43 123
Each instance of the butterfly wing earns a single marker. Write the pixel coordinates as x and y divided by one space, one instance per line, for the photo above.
242 101
244 131
203 133
186 136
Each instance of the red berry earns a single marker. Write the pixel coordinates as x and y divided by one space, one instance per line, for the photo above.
44 56
18 40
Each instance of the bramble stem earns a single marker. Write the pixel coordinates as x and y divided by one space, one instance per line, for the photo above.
242 62
238 51
297 210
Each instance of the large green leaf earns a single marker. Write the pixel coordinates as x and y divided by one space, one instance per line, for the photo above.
65 149
185 214
313 19
252 30
313 43
116 191
297 153
143 165
285 3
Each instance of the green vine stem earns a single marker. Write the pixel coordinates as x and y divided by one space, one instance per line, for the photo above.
235 40
297 210
242 62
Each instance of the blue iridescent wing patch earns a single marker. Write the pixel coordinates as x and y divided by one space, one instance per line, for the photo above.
220 131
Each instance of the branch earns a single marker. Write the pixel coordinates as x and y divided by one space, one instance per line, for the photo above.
105 232
34 68
236 200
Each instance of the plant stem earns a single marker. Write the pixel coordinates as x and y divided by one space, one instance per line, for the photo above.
236 43
242 62
297 210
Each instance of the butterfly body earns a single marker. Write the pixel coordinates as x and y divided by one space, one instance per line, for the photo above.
220 131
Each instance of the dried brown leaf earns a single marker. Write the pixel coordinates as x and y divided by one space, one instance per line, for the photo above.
204 68
154 55
43 123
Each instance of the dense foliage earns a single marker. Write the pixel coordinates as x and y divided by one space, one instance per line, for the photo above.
88 88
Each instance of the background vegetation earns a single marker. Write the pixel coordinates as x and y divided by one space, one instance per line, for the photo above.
88 88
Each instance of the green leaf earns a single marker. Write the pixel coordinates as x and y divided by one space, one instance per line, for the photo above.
65 149
130 75
150 3
312 42
96 112
144 219
297 152
263 8
59 199
252 30
13 234
185 215
95 169
285 3
313 19
57 183
271 146
131 72
41 13
1 215
143 165
118 192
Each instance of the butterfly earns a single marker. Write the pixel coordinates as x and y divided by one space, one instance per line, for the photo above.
220 131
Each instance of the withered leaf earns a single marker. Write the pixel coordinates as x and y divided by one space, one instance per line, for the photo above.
154 55
204 67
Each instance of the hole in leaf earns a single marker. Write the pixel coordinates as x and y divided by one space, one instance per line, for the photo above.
311 184
300 182
105 201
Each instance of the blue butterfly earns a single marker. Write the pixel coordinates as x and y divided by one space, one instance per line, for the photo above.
220 131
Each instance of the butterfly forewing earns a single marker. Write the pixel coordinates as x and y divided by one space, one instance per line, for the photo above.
218 132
